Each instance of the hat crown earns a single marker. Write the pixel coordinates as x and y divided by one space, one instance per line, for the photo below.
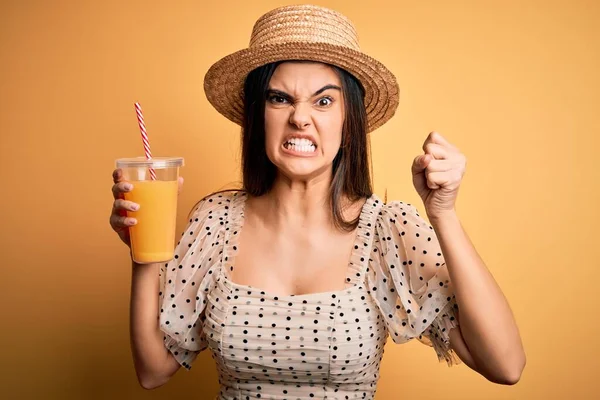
304 24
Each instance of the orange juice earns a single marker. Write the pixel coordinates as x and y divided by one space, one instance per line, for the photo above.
153 237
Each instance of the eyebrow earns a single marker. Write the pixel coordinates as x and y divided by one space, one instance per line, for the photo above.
318 92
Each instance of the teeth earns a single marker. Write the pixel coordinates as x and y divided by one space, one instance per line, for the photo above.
300 142
299 147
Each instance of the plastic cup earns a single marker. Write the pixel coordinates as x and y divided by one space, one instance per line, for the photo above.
153 237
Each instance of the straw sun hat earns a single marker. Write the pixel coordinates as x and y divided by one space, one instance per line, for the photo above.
302 32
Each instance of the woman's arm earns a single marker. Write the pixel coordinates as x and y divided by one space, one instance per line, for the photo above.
154 364
488 335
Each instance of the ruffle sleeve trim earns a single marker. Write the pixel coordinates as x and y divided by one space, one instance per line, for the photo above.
437 335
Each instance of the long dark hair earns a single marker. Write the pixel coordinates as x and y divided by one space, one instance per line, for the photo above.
350 168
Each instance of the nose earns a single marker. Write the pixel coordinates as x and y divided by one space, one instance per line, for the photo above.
300 115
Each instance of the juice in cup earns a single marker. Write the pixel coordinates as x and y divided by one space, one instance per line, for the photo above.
153 237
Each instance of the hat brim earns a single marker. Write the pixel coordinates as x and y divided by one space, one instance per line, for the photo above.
224 81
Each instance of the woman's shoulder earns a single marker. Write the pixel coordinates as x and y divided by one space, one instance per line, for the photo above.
222 196
394 210
399 219
395 205
216 201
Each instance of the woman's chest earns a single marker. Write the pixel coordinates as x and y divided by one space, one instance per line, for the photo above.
292 264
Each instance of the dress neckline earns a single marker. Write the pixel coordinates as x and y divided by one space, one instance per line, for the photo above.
357 263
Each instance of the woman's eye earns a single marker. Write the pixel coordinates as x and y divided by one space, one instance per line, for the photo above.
277 99
325 101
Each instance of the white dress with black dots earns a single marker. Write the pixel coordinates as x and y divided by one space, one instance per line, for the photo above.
315 346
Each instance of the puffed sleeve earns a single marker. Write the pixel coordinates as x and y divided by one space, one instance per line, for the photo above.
409 280
186 280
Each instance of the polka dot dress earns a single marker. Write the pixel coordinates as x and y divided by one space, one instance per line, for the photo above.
326 345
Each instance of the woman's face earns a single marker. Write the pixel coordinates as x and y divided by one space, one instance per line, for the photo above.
304 114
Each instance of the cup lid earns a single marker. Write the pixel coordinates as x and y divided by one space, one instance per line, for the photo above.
154 162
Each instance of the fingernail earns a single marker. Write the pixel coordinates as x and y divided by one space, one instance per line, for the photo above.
128 186
132 221
135 207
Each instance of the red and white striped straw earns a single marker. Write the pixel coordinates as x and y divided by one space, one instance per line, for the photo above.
140 118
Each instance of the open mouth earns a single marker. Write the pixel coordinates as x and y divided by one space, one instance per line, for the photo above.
300 145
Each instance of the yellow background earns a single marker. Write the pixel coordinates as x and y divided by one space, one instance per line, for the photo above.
514 84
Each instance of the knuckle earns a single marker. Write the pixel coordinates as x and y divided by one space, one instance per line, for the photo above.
115 222
117 193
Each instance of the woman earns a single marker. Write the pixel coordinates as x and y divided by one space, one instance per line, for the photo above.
295 281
